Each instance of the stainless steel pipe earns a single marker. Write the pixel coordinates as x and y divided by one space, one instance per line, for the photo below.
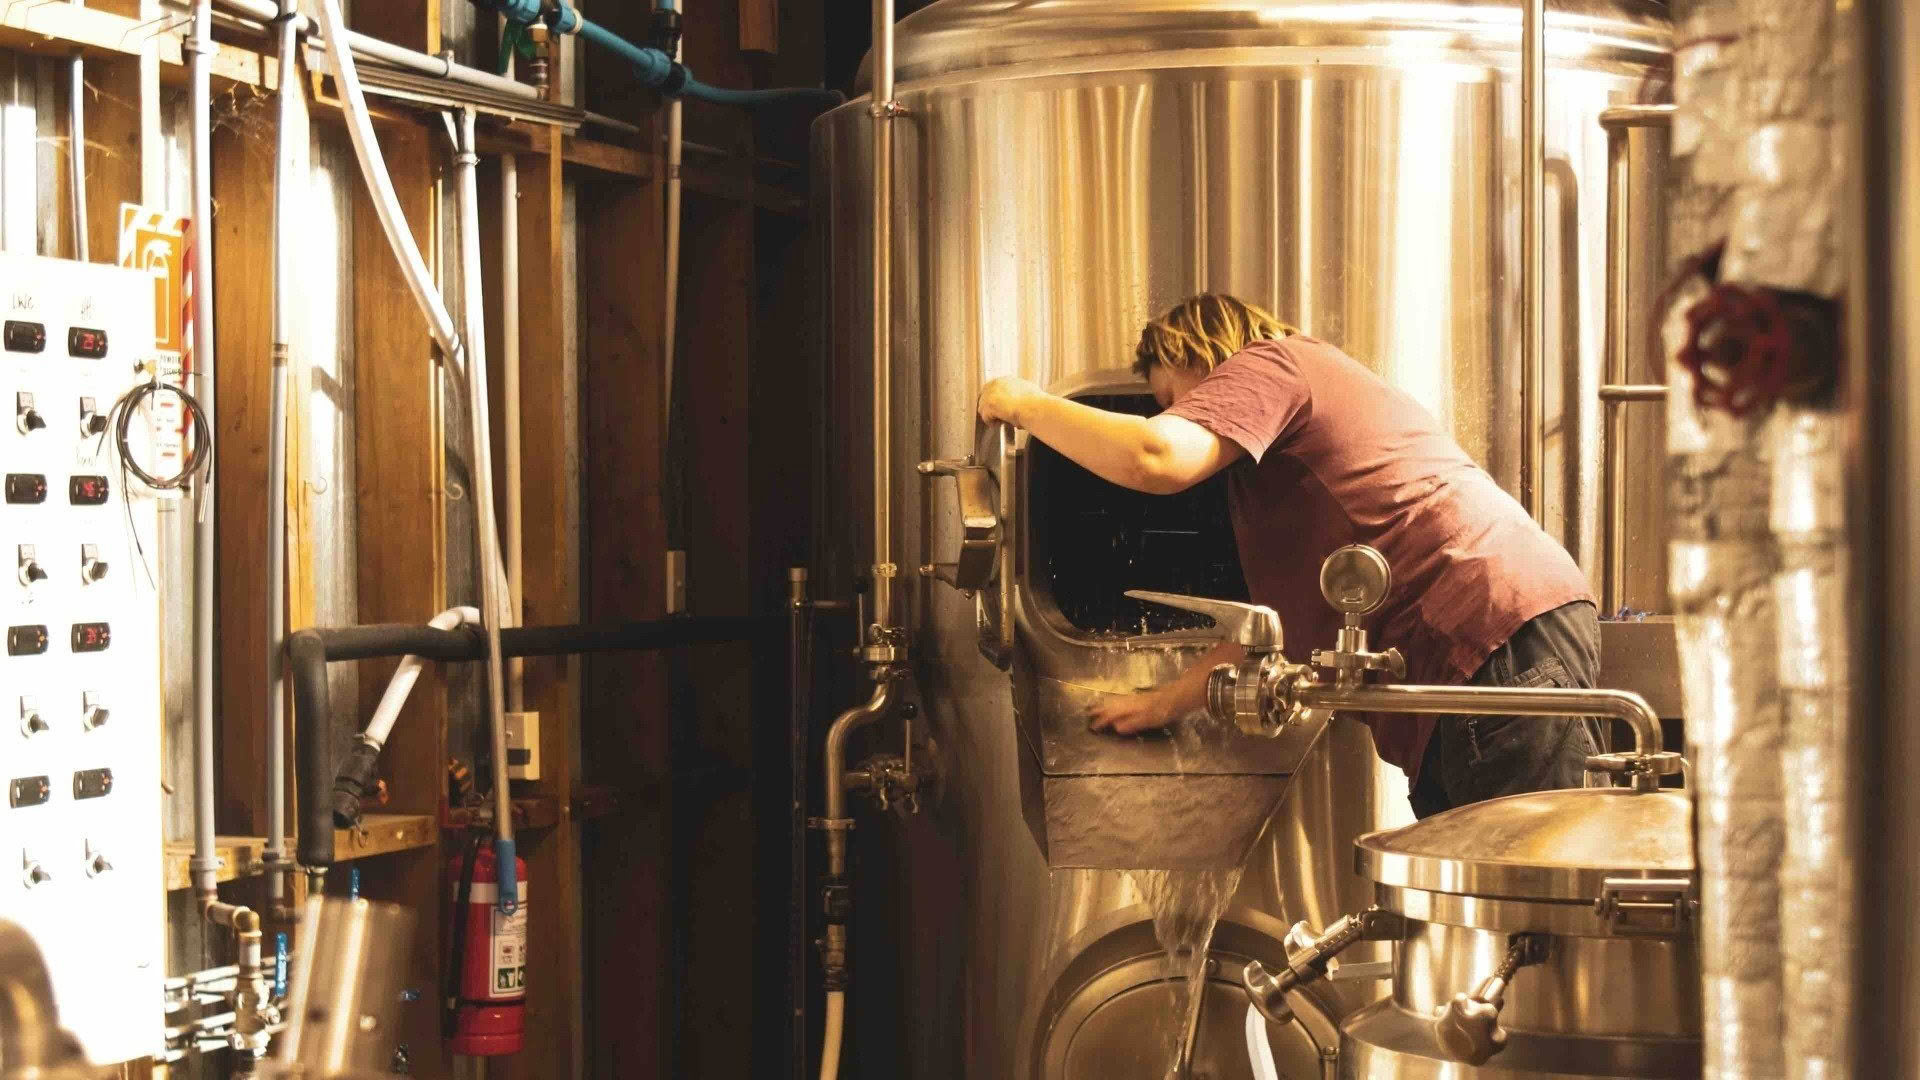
204 864
1623 705
882 108
1533 258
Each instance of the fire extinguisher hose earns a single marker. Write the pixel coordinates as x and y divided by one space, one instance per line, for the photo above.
457 946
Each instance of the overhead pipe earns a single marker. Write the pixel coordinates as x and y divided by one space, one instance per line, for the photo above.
656 69
289 176
372 48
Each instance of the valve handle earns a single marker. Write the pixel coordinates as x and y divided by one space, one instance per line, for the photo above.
1255 626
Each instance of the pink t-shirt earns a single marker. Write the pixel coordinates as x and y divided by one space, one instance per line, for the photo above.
1337 456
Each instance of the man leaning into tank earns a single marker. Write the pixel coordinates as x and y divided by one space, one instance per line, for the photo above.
1321 453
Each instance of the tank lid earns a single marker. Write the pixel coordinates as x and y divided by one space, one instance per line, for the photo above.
1547 845
955 36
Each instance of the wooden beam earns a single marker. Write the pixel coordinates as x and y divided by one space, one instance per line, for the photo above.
240 856
760 26
400 497
550 537
628 854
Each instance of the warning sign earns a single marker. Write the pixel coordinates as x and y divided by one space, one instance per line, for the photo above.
157 243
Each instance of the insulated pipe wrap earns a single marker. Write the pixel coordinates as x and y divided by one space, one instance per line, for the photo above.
1817 896
1721 576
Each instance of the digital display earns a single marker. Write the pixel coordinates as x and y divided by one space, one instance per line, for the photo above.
26 640
26 488
91 344
87 490
29 337
91 636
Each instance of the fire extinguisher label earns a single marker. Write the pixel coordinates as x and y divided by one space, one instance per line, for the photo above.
510 951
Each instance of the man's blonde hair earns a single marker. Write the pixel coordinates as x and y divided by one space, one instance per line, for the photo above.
1201 332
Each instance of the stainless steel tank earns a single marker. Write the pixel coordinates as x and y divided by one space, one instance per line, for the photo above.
1065 171
1588 895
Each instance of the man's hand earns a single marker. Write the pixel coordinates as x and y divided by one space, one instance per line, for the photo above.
1128 714
1005 398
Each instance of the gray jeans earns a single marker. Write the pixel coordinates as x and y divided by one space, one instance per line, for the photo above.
1473 758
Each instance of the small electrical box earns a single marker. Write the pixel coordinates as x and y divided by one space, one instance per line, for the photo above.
523 746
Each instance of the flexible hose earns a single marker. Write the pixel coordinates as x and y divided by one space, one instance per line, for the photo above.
408 673
832 1032
1259 1049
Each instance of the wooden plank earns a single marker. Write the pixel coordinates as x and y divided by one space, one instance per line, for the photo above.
400 550
243 298
519 138
240 856
628 854
760 26
549 460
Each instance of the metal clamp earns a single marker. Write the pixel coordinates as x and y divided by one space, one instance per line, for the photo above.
980 533
1656 906
1468 1027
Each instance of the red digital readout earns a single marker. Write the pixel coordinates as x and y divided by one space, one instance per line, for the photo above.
91 637
87 490
82 341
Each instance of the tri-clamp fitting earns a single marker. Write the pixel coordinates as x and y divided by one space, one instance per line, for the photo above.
1235 692
1309 963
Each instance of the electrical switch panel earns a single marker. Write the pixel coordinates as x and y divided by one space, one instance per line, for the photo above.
80 836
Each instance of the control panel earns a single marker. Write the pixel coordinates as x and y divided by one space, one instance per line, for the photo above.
80 834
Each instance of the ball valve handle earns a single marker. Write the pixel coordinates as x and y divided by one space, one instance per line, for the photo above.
1268 991
1468 1027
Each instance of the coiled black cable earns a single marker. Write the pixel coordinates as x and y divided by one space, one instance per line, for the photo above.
198 457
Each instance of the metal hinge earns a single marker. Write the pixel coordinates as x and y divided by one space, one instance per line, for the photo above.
1645 905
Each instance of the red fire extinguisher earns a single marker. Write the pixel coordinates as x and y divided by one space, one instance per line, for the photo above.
486 994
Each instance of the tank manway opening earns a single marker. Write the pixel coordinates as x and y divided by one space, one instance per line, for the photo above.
1090 541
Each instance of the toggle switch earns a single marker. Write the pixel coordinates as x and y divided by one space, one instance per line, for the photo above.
31 722
92 567
30 569
92 420
25 416
31 872
93 710
97 862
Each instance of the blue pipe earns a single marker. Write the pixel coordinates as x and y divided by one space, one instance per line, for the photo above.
720 95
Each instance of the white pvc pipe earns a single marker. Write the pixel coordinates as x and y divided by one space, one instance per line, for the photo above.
77 141
401 685
386 204
1259 1049
835 1029
204 864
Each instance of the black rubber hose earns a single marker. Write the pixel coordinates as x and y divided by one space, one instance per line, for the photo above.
313 724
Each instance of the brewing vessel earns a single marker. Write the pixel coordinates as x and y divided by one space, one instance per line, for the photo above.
1063 171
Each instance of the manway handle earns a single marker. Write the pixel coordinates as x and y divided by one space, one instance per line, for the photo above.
1468 1027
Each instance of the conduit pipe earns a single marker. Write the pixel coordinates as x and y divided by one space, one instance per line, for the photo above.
515 523
492 600
204 864
77 148
372 48
289 178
